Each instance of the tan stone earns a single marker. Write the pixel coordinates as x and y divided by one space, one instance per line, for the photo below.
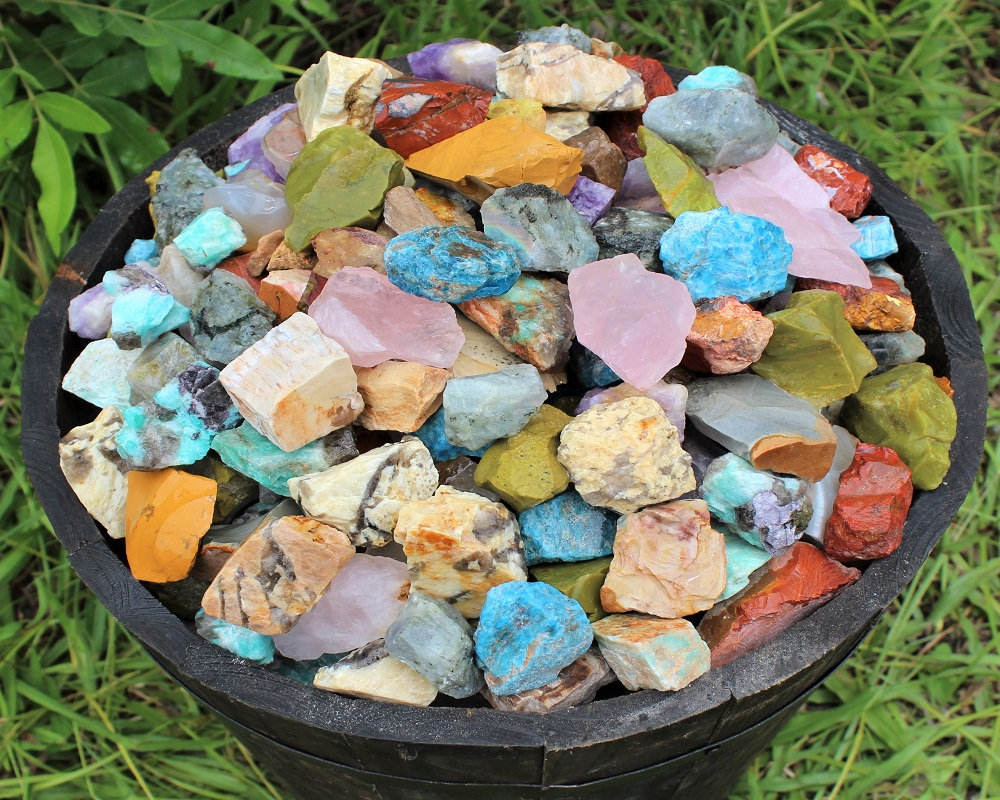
294 385
576 685
261 256
372 673
563 125
403 211
448 211
287 291
339 90
399 395
337 248
277 574
284 257
668 561
727 336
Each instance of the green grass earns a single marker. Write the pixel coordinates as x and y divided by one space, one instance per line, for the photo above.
913 85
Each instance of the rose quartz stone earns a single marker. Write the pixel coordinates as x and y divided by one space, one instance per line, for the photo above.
362 601
375 321
776 189
636 321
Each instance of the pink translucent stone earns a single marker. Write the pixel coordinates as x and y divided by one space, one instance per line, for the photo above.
635 320
775 188
376 321
672 398
361 603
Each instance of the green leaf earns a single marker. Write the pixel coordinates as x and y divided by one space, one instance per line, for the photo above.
89 21
71 113
224 52
15 125
138 31
8 85
118 75
53 169
164 65
178 9
133 141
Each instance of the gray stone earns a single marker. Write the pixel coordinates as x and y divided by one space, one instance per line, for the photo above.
227 317
894 348
177 195
628 230
164 359
557 34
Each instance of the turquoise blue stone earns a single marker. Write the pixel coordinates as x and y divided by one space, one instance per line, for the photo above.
232 170
141 309
480 409
877 238
589 369
742 558
430 636
143 250
718 253
239 641
566 528
719 77
527 633
253 454
450 264
209 238
431 433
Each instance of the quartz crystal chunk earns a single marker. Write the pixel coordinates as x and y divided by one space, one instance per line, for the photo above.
227 318
359 605
560 76
90 313
238 640
849 189
580 580
209 238
434 639
575 685
822 493
483 408
142 308
652 653
255 201
278 574
294 385
370 672
625 455
775 188
677 179
668 561
719 77
364 495
628 230
742 559
99 374
727 336
603 161
718 128
877 238
458 545
176 194
181 279
566 528
527 633
90 462
635 320
282 144
399 395
249 145
791 587
544 230
758 421
672 398
460 60
766 510
337 91
375 321
337 248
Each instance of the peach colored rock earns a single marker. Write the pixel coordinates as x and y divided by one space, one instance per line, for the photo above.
337 248
726 336
287 291
284 257
399 395
236 265
403 211
482 354
448 211
652 653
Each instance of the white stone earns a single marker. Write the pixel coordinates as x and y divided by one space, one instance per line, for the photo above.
373 674
339 90
564 124
100 374
90 461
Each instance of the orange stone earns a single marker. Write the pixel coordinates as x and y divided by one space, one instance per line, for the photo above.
239 266
448 211
883 307
287 291
166 514
727 336
945 385
849 189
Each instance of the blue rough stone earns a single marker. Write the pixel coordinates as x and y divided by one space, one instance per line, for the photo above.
480 409
141 308
253 454
239 641
450 264
431 433
227 317
232 170
209 238
541 225
557 34
566 528
877 238
143 250
527 633
430 636
589 369
742 558
718 128
305 671
178 193
718 253
719 77
590 199
768 511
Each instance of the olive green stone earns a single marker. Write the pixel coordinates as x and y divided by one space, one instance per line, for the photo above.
680 183
523 469
581 580
339 180
236 490
906 410
814 353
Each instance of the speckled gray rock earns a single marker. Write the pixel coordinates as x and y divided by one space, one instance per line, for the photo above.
177 196
628 230
165 358
430 636
892 349
541 225
718 128
557 34
227 317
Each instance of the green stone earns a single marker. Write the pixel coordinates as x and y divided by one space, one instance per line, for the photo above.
236 490
680 183
523 469
339 180
581 580
742 559
814 353
906 410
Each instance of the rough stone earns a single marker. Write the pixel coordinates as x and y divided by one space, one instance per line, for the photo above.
209 238
672 398
399 395
727 336
562 125
460 60
557 34
849 190
337 248
652 653
678 180
227 318
565 528
90 313
282 144
877 239
180 278
371 673
883 307
339 91
892 349
142 308
531 111
99 374
575 685
603 161
448 210
742 560
580 580
287 291
156 364
432 434
254 201
404 211
176 194
482 354
483 408
248 146
823 492
628 230
719 77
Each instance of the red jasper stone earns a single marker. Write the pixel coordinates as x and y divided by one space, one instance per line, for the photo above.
413 113
655 80
621 126
850 189
786 589
871 506
238 266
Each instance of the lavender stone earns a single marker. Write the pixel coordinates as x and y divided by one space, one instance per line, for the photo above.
590 199
90 313
247 148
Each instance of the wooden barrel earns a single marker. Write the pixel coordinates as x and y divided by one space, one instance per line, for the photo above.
695 742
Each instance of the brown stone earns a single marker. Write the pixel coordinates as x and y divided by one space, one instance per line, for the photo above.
448 211
403 211
807 457
284 257
727 336
277 574
883 307
399 395
576 684
603 161
337 248
261 256
287 291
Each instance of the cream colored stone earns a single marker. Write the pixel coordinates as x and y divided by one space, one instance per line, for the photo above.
294 385
564 124
339 90
403 211
482 354
363 496
458 546
560 76
625 455
372 673
399 395
94 470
